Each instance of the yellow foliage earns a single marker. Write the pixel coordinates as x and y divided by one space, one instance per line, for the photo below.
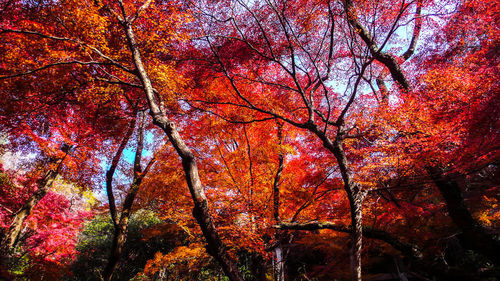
182 258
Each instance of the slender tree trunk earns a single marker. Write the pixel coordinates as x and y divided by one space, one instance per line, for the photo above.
119 238
355 196
119 229
216 246
277 178
276 191
278 253
356 234
120 232
114 164
12 235
279 264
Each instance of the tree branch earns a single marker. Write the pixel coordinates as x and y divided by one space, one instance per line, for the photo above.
94 49
52 65
111 171
410 250
388 60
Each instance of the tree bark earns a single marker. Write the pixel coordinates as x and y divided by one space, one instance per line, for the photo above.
357 237
276 189
119 238
279 264
216 246
279 255
277 177
356 197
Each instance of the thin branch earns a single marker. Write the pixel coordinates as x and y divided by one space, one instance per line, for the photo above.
83 44
248 102
340 119
249 152
7 209
416 32
312 199
52 65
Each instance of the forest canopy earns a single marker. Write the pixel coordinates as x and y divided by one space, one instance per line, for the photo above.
249 140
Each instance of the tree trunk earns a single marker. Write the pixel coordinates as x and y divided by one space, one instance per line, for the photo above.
279 264
216 246
111 172
119 238
356 234
278 253
120 233
355 195
12 235
474 236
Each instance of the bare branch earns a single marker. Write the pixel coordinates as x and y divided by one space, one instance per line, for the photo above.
416 32
388 60
52 65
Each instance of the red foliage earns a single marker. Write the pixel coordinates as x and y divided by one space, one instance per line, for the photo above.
50 233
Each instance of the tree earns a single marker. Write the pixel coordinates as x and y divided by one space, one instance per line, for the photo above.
457 111
46 243
287 115
124 16
121 223
293 61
